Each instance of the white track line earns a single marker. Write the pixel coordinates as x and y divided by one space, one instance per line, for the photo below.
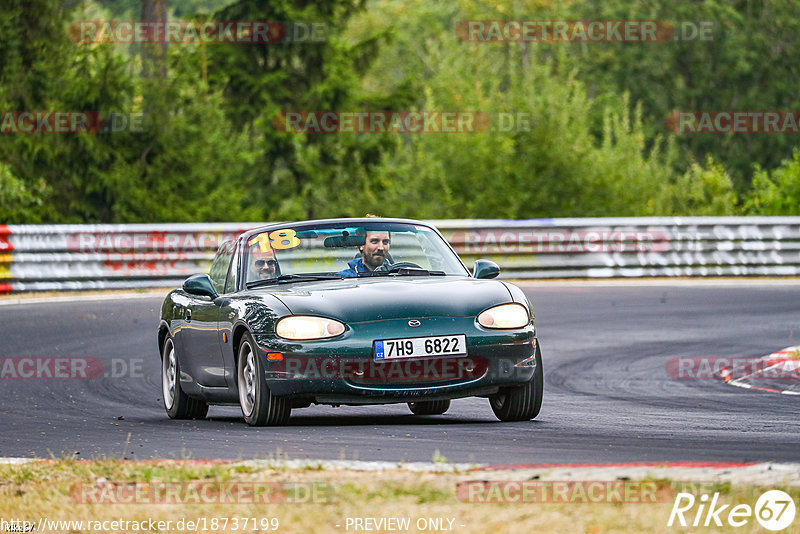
704 282
80 298
701 282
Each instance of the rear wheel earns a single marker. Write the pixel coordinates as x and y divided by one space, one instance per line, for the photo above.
520 403
177 403
436 407
259 406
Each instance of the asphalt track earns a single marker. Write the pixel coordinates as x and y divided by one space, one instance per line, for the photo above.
608 397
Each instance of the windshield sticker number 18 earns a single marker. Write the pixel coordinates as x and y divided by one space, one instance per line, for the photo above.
278 240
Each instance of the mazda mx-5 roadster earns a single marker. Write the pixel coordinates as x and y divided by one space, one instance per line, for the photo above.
359 311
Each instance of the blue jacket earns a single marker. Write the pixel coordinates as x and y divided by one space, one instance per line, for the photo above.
357 266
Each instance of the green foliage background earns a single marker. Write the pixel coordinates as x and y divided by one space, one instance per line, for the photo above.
596 145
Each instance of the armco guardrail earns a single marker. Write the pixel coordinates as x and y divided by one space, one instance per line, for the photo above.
76 257
73 257
632 247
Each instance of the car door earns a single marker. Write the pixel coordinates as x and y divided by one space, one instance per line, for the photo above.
201 346
228 315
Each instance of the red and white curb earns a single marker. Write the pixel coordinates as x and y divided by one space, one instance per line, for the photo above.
763 473
783 363
16 461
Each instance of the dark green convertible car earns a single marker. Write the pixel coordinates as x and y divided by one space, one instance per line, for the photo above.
347 312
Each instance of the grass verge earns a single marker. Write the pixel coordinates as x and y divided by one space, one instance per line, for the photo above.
321 500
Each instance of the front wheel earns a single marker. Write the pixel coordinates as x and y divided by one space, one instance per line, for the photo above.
259 406
429 407
177 403
521 403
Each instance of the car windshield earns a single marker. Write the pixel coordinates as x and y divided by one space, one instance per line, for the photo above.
348 250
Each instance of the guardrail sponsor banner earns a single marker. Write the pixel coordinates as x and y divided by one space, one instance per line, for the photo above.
76 257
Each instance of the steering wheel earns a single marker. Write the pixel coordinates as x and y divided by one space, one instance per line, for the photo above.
402 265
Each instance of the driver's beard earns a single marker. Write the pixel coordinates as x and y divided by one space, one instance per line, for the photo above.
378 261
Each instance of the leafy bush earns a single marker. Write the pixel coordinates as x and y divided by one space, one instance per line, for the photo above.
778 192
701 190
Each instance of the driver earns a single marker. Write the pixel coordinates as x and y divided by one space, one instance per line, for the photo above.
263 265
374 253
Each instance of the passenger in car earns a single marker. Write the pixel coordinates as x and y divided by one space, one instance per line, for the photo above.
263 265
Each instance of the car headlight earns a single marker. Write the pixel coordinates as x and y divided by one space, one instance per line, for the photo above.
303 327
505 316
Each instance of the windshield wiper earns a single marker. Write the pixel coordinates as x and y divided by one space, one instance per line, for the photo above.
286 278
404 271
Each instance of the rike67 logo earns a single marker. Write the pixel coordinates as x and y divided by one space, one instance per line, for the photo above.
774 510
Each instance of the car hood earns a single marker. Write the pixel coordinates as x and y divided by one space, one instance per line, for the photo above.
371 299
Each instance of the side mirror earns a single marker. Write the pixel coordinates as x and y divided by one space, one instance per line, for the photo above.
200 284
485 269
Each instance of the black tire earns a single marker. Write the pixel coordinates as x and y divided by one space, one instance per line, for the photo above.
521 403
436 407
259 406
177 403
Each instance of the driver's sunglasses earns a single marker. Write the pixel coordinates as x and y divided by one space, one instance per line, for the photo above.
271 263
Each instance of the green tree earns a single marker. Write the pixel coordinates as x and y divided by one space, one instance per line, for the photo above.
19 201
299 175
747 61
776 192
42 70
701 190
562 162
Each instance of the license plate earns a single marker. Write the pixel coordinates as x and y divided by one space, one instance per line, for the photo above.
419 347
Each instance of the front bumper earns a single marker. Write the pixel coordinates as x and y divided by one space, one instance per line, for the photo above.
343 370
